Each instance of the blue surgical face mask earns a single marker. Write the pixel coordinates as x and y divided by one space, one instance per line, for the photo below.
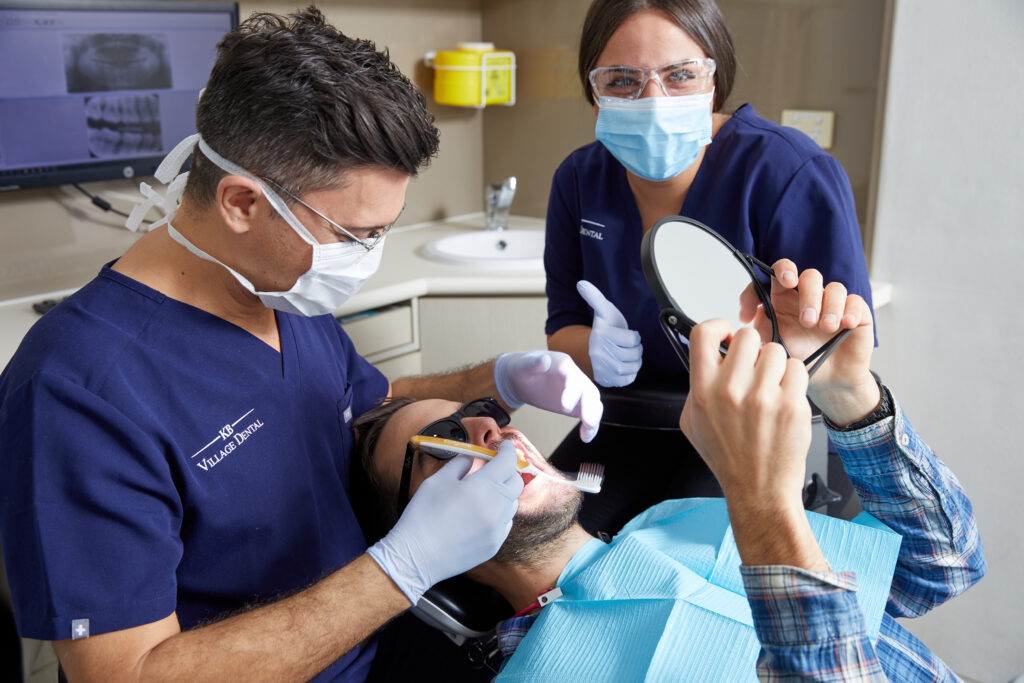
656 138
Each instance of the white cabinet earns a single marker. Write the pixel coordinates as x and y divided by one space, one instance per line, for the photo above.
406 365
388 337
460 331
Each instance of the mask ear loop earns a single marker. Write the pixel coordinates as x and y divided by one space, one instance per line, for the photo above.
275 200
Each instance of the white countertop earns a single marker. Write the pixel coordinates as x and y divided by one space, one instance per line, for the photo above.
404 274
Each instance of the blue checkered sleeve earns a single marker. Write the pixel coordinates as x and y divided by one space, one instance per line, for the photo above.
510 633
810 626
901 482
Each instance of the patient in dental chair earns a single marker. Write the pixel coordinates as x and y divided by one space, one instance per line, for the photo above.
706 589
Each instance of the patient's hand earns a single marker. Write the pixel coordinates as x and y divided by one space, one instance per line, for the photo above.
808 314
748 417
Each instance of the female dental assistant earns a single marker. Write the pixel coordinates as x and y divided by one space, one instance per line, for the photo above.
658 74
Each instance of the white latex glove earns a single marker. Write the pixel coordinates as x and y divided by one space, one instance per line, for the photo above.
552 381
454 522
615 350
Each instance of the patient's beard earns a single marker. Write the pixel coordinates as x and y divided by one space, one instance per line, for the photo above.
534 536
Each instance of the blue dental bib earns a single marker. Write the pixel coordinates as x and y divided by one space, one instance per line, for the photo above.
664 601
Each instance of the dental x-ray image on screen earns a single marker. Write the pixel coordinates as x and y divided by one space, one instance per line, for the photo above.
122 124
116 61
101 89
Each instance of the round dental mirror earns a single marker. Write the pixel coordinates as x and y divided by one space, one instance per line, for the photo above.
696 275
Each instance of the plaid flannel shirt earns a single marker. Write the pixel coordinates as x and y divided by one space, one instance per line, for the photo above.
809 623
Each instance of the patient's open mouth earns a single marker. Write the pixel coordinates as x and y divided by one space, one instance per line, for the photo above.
522 449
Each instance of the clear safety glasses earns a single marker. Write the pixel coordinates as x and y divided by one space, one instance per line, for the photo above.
688 77
368 242
450 427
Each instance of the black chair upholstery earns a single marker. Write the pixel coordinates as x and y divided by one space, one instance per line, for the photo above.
10 642
643 407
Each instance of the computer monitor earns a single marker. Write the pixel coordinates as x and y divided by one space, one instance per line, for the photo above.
99 89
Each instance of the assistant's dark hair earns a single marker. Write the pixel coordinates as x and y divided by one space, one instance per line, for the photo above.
293 99
373 499
701 19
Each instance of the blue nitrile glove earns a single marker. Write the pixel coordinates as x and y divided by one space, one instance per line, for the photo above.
454 522
615 350
549 380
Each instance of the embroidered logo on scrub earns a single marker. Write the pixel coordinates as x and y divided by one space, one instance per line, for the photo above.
592 233
229 437
79 629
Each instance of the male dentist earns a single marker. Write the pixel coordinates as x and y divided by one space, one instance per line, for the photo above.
176 435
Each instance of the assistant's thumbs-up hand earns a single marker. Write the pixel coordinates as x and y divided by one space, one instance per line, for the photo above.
615 350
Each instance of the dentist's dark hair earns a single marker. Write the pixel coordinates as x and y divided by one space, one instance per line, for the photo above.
293 99
701 19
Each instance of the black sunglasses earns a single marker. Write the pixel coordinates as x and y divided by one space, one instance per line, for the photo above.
450 427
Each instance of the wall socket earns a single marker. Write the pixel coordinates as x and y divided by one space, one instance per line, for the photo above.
818 124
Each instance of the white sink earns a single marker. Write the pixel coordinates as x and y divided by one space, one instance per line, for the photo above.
512 249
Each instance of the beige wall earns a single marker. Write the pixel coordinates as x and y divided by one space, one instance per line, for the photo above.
550 118
54 238
817 54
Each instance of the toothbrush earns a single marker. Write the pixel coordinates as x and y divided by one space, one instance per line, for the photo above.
588 479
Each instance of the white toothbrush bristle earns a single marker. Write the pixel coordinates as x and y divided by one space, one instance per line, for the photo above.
590 477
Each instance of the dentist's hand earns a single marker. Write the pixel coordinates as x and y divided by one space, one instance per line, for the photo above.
454 522
615 350
552 381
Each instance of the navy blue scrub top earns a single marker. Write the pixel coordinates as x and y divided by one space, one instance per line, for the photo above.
158 458
768 189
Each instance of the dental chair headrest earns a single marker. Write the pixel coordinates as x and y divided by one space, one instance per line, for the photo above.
462 608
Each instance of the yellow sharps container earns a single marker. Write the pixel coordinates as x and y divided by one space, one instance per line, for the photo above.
474 75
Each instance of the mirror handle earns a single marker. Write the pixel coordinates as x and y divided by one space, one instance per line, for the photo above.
818 358
761 265
672 323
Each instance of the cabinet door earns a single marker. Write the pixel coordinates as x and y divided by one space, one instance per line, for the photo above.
406 365
460 331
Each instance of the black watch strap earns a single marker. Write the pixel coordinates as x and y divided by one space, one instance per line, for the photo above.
883 410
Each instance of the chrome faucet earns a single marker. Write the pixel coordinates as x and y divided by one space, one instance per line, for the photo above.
498 199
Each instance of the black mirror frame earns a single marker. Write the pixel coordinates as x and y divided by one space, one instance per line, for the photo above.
677 324
673 321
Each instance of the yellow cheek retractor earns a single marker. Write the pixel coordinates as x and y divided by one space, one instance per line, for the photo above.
588 479
450 448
